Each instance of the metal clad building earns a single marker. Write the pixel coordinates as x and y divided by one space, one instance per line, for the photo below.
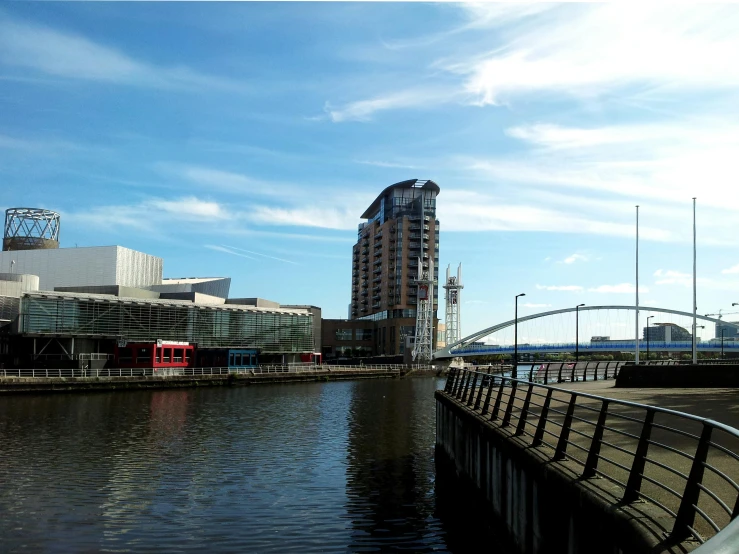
89 266
271 330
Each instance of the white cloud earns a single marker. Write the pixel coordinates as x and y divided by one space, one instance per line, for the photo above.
570 288
363 110
72 56
574 258
622 288
531 305
327 217
672 277
190 206
580 51
731 270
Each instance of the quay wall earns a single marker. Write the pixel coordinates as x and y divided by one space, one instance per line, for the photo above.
544 505
20 385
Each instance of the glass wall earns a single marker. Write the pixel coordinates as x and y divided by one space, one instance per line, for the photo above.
274 332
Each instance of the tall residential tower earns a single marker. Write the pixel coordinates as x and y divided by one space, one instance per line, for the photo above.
400 233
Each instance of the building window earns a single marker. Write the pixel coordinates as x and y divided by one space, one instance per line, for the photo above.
343 334
364 334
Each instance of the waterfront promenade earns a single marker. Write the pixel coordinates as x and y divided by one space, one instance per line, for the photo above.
660 464
69 380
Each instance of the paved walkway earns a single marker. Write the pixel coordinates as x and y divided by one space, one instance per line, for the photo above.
721 405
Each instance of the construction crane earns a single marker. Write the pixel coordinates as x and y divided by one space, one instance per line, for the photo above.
720 314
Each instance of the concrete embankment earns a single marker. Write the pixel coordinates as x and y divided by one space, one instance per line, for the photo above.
545 505
18 385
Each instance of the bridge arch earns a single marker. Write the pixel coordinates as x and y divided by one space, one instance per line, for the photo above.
447 351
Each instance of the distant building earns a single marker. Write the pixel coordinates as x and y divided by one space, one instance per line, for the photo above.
441 335
666 332
729 331
391 244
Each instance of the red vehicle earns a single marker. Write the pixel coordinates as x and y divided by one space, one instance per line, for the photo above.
152 354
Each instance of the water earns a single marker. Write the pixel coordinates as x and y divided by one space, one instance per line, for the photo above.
318 467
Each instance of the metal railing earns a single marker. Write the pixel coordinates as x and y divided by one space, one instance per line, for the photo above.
686 466
561 372
189 371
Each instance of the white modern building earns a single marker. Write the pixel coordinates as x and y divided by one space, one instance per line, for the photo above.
84 267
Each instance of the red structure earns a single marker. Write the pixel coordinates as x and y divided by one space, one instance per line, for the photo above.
312 357
150 354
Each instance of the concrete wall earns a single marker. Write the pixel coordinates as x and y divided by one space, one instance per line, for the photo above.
256 302
212 287
543 505
113 290
92 266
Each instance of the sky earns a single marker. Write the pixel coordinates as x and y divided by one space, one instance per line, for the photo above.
246 139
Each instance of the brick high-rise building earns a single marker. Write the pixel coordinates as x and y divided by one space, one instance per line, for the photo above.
401 231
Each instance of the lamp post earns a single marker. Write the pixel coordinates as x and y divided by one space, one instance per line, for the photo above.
647 335
515 338
577 331
723 330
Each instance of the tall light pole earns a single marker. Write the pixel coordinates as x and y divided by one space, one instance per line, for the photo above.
577 331
636 354
695 301
515 338
647 335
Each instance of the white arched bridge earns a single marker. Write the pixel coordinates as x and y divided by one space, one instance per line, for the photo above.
474 345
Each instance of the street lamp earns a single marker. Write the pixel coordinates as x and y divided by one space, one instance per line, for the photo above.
515 338
647 333
577 331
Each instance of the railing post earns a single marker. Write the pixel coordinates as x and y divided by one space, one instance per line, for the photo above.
539 435
686 513
559 375
509 408
561 450
524 411
460 385
496 406
592 462
487 397
633 486
479 393
546 374
572 376
531 372
449 380
471 396
595 373
455 384
463 392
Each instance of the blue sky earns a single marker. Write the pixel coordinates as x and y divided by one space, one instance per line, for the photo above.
246 139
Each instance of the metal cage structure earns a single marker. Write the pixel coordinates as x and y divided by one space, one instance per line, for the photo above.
31 229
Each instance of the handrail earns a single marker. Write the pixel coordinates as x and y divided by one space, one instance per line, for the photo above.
684 470
190 371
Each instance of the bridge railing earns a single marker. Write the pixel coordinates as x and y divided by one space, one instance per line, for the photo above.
683 465
593 346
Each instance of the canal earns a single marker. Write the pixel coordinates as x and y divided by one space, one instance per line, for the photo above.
315 467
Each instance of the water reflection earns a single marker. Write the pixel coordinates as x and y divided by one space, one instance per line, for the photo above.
304 468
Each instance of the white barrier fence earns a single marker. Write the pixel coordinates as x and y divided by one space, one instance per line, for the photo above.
190 371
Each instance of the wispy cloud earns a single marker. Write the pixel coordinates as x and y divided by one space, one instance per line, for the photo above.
622 288
327 217
567 288
364 110
731 270
262 255
67 55
227 251
398 165
531 305
574 258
